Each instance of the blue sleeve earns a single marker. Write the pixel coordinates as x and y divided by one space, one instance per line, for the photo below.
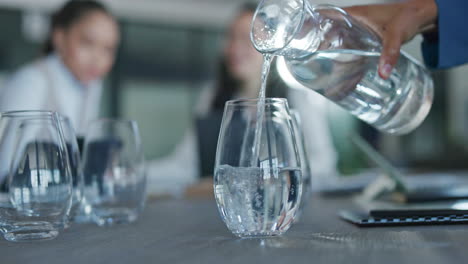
450 46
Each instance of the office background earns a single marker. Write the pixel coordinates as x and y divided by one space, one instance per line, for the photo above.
170 51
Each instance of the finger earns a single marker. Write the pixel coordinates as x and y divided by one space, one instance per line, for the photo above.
392 41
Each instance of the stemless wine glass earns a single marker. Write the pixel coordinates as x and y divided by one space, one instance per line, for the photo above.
75 166
37 194
305 164
113 167
258 198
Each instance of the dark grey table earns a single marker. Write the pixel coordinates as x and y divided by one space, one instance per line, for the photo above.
191 231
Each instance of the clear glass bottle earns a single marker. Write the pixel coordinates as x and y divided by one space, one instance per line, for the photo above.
329 52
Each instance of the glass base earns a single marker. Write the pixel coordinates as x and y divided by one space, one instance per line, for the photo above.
259 234
112 216
29 231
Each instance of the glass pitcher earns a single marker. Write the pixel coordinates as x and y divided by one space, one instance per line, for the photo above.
324 49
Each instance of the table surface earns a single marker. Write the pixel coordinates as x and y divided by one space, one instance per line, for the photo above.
191 231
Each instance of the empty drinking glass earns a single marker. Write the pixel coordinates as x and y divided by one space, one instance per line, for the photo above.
113 167
37 190
75 166
261 198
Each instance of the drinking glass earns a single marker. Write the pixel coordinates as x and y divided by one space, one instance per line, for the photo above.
37 194
113 167
305 164
257 198
75 166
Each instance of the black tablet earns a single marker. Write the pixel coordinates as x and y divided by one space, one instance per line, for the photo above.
405 217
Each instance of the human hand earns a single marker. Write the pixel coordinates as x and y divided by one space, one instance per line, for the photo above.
396 23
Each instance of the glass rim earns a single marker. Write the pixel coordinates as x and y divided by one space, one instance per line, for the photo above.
254 101
27 113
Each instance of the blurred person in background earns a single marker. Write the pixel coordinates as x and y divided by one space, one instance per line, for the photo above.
189 168
79 52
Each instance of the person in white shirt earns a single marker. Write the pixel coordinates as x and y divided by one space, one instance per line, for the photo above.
68 79
239 77
80 51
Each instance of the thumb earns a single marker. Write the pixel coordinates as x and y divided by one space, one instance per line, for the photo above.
390 52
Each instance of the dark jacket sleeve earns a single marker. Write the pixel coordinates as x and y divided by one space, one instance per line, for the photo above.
449 47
